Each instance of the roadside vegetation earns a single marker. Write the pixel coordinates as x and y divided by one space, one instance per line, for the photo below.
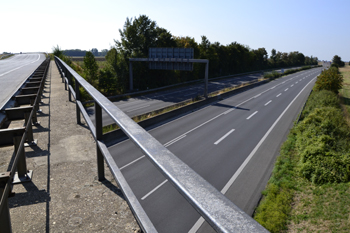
309 190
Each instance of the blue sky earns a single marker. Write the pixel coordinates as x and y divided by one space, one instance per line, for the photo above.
317 28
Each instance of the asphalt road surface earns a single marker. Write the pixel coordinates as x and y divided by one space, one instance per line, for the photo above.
232 144
14 71
149 102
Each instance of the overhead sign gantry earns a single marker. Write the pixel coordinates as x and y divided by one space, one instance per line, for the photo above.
171 59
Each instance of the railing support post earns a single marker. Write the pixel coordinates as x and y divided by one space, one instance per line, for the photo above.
77 99
98 125
5 220
130 76
206 79
69 77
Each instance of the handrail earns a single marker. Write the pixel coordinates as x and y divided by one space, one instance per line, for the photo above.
215 208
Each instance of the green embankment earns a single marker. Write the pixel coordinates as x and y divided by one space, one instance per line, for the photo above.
309 190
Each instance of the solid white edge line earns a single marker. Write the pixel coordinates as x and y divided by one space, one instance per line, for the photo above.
252 115
201 220
268 102
153 190
20 66
223 137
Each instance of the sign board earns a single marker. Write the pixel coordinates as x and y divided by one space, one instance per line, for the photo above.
161 57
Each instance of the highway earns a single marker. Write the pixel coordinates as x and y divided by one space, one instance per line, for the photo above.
163 98
232 144
14 71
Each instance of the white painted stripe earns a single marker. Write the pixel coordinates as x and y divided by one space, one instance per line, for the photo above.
174 140
279 94
257 95
223 137
252 115
131 162
292 85
268 102
286 89
145 106
230 110
153 190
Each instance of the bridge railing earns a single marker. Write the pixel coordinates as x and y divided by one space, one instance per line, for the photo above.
213 206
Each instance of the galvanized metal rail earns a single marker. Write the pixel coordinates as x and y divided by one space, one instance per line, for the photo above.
212 205
19 137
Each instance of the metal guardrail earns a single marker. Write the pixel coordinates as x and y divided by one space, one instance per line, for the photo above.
212 205
19 137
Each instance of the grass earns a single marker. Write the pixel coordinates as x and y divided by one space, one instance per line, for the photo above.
5 56
322 208
345 92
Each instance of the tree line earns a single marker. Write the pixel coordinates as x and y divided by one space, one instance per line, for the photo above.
82 53
141 33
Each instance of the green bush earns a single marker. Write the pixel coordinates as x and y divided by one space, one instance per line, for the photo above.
272 75
322 145
330 80
317 99
274 209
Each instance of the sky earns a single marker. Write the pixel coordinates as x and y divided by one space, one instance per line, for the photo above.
314 28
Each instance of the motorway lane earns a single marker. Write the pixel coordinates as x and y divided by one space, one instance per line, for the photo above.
146 103
14 71
235 124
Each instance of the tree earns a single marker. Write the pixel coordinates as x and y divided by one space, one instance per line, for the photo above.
337 60
107 81
94 51
90 67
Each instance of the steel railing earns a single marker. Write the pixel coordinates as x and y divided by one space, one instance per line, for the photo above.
21 136
212 205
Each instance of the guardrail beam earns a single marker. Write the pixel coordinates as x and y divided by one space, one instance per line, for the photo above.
5 219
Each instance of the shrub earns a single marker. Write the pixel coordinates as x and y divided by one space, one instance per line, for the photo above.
317 99
330 80
322 144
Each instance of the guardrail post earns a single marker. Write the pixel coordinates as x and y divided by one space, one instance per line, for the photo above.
22 163
30 136
5 220
77 99
98 125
